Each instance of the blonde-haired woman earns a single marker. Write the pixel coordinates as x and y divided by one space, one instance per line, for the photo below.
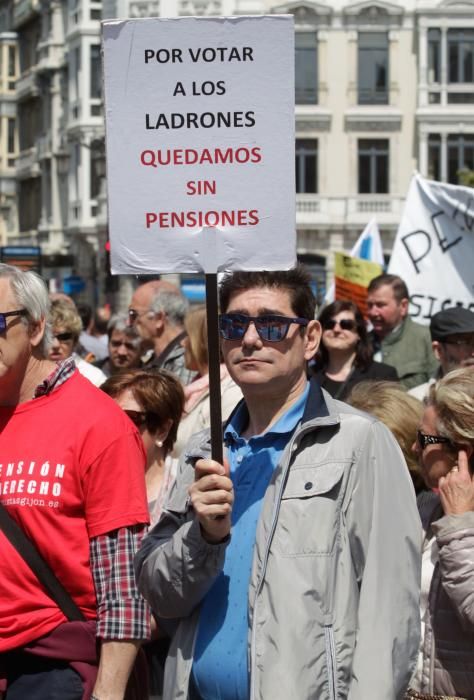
67 325
445 450
196 415
400 412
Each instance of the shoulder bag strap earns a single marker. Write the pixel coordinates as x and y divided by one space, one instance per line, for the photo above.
27 550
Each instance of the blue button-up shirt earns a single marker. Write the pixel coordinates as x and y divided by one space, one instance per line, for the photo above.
220 670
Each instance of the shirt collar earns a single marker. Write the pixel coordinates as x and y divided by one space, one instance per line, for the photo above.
61 373
285 424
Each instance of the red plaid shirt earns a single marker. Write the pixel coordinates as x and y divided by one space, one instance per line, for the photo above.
121 612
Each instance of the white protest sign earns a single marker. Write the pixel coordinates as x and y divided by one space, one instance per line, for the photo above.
200 143
434 247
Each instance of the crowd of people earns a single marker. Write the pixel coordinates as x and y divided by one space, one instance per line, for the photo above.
330 555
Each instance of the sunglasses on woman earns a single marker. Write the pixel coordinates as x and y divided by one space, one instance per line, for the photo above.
424 440
271 328
346 324
143 419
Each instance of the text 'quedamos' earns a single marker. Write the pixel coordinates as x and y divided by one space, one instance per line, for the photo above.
203 156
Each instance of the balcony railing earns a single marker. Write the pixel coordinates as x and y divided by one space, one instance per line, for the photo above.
50 56
27 85
375 96
317 209
308 203
199 7
22 10
144 8
27 163
374 205
306 95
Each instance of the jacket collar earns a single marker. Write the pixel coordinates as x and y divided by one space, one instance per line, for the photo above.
395 335
320 409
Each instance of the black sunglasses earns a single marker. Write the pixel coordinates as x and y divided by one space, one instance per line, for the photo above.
270 327
63 337
143 418
424 440
5 314
346 324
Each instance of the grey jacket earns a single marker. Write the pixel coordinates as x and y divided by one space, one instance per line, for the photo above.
448 644
334 590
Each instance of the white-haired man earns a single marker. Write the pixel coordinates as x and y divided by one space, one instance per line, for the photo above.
157 310
72 478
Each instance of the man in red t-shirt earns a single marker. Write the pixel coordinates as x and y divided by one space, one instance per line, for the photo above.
72 477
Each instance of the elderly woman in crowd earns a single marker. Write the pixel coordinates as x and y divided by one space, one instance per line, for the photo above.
67 326
345 353
445 450
400 412
154 402
196 414
124 346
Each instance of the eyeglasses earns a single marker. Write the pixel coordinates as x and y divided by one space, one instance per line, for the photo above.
346 324
118 343
133 314
143 418
63 337
424 440
3 316
271 328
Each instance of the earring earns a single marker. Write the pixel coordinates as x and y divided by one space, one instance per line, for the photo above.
159 443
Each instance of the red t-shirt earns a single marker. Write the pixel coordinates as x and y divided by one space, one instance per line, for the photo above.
72 467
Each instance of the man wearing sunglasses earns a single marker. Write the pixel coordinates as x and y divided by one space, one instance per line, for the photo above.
292 569
72 479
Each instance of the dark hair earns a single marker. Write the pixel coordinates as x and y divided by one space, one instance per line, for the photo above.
101 320
158 392
399 288
295 281
364 350
85 312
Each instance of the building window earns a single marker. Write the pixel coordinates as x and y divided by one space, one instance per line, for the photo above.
434 56
460 155
306 162
306 68
373 68
373 166
434 157
96 76
28 40
29 122
461 55
458 152
11 67
29 200
11 146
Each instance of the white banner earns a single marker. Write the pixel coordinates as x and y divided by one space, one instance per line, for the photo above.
200 143
434 247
